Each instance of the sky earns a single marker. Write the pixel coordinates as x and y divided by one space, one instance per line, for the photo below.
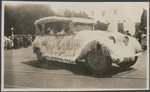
130 12
127 12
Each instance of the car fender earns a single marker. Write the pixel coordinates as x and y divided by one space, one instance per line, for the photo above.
105 45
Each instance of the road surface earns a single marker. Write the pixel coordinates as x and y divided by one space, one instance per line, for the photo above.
22 70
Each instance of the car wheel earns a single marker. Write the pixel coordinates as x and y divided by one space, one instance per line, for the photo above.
97 62
127 62
41 59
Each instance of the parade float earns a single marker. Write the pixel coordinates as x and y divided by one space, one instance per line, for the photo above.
81 43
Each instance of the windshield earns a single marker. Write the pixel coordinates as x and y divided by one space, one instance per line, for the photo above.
54 28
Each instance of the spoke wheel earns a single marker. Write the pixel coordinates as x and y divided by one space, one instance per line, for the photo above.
97 62
128 62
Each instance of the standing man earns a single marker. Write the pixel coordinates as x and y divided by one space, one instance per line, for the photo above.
143 41
138 35
15 42
25 40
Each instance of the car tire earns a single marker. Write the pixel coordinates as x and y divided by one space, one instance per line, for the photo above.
97 62
127 63
41 59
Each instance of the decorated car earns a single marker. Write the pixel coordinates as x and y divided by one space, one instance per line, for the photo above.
73 40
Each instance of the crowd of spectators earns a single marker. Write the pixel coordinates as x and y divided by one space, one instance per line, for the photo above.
18 41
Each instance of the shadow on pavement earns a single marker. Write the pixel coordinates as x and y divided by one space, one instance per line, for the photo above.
78 70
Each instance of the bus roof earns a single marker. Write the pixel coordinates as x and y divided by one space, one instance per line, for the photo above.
64 19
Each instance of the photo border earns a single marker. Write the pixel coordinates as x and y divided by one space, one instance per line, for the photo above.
59 89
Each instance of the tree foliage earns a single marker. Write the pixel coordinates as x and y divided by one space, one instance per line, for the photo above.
101 26
22 17
143 24
68 13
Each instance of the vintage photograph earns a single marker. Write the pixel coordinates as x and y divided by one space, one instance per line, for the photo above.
74 46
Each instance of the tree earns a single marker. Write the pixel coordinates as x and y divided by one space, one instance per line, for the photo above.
67 13
9 21
22 17
101 26
143 23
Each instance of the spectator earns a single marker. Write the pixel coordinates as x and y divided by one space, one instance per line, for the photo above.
63 32
25 41
33 37
138 36
52 32
47 31
16 44
143 42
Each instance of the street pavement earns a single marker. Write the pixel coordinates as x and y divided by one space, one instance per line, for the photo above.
22 70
